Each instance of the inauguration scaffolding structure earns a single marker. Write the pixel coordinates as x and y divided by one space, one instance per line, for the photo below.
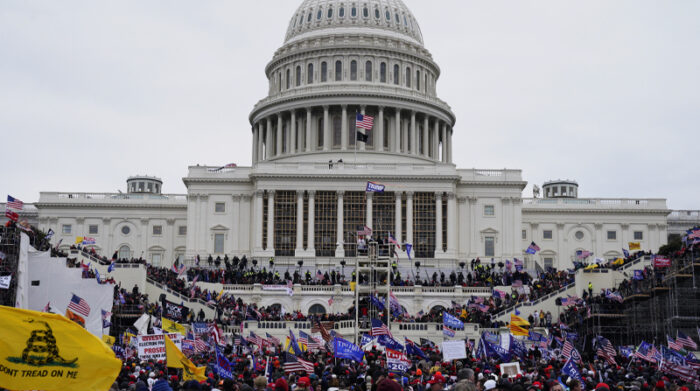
665 302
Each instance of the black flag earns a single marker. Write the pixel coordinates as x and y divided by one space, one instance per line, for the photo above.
362 137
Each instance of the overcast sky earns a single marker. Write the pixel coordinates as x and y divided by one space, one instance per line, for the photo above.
604 92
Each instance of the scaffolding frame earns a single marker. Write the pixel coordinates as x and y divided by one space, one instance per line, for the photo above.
373 268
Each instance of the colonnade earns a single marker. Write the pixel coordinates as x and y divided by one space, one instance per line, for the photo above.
441 249
331 128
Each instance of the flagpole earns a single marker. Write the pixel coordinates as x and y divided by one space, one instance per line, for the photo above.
355 138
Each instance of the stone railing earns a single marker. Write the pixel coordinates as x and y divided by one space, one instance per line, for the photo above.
598 203
116 198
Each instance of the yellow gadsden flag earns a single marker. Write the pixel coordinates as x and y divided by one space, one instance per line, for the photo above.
518 325
173 327
176 359
43 351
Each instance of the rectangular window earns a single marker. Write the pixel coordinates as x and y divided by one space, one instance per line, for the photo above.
182 230
220 207
489 246
524 234
489 210
67 229
547 234
638 235
92 229
155 259
218 243
612 235
157 230
548 263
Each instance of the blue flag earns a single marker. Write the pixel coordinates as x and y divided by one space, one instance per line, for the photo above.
494 350
452 321
409 246
638 275
411 348
389 342
347 349
97 275
111 267
222 366
626 253
517 348
366 339
571 370
293 342
377 303
199 327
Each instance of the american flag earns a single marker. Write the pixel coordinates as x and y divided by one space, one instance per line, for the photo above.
275 341
685 373
14 203
237 340
379 328
606 350
324 333
517 283
12 215
686 341
569 351
673 344
294 364
218 334
200 346
303 339
392 240
80 306
364 121
255 339
330 301
447 331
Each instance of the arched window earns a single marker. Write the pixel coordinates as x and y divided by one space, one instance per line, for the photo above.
330 13
353 70
324 71
408 77
368 71
388 16
301 19
308 18
310 74
279 81
385 132
338 70
124 252
418 80
397 74
397 18
376 13
382 72
319 14
341 12
317 309
289 79
365 12
298 82
437 309
353 12
336 122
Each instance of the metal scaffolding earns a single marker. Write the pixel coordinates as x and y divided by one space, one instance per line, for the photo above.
373 277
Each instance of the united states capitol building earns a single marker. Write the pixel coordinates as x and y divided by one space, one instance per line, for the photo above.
303 195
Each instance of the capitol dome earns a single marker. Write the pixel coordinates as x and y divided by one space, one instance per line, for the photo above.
342 58
384 17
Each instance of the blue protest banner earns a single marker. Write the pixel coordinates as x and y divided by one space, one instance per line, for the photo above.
347 349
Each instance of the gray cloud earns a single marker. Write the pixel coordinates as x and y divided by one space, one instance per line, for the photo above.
602 92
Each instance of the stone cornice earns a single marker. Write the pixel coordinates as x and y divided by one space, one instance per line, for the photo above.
526 210
76 205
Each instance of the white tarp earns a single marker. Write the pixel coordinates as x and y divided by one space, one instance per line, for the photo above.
51 281
454 350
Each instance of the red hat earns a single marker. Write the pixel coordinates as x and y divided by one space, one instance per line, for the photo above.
304 381
660 384
602 386
537 385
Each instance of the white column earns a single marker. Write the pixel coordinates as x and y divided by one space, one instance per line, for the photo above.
426 143
254 153
451 225
340 249
397 132
299 251
344 128
379 134
362 146
397 217
310 248
449 145
412 135
438 223
308 130
444 143
409 217
280 129
326 130
293 133
368 219
204 230
269 151
270 221
260 141
258 221
436 141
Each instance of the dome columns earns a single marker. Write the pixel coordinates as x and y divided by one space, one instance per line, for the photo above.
330 128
